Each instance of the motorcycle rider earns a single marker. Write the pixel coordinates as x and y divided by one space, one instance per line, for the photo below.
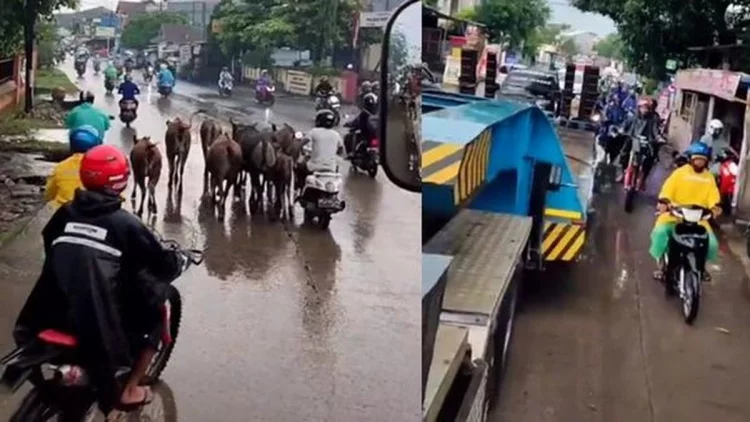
103 280
713 134
644 123
87 126
326 145
110 74
165 77
362 123
225 76
128 89
688 185
322 91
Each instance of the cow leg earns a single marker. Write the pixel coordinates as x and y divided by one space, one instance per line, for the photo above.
152 208
205 181
182 172
142 186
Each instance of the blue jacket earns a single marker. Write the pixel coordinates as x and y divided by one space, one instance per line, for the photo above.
165 78
128 90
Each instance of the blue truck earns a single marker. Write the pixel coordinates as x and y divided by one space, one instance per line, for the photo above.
506 190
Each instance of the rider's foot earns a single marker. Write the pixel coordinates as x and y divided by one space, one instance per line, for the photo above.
134 397
706 277
659 275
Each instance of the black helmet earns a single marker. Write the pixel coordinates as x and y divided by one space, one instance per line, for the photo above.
325 118
369 102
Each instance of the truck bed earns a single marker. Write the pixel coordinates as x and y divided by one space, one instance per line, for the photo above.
486 248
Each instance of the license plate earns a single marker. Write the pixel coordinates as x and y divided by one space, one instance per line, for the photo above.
328 203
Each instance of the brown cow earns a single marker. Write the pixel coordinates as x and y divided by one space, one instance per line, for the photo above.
210 130
177 140
281 175
224 164
145 159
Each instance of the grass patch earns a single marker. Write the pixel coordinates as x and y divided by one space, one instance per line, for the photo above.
48 79
53 151
17 125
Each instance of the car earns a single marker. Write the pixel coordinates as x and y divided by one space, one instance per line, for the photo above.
541 87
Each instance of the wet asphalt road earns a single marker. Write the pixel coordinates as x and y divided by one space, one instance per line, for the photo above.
283 322
601 343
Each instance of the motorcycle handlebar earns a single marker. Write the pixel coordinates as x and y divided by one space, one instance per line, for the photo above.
192 256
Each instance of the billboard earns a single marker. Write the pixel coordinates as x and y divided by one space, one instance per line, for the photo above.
104 32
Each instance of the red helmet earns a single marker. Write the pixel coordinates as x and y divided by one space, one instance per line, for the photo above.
105 168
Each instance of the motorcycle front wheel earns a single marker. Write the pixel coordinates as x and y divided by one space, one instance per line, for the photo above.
630 189
690 295
174 301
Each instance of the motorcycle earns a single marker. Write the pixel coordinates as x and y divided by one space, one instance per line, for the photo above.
128 110
727 178
148 75
365 153
165 90
330 102
61 388
633 179
109 85
608 145
684 262
225 88
320 196
265 94
97 68
80 69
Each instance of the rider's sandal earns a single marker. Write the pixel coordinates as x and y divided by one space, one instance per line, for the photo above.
130 407
706 277
659 275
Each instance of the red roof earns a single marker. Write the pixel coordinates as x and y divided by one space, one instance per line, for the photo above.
130 7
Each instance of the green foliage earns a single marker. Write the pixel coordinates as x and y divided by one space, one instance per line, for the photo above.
550 35
398 53
610 46
263 25
141 29
512 22
653 31
12 21
47 46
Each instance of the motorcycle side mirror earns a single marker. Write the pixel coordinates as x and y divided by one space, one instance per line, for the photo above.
401 115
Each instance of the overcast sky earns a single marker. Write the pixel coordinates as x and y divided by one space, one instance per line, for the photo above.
562 12
409 23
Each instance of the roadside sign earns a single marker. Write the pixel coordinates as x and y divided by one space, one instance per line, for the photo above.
373 19
104 32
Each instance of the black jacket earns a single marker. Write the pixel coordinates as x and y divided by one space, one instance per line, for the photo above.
96 255
323 88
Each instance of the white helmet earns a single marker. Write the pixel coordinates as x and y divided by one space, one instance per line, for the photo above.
715 127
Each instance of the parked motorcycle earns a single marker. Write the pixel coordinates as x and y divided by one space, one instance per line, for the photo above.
97 68
330 102
265 94
727 177
684 262
61 388
320 196
128 110
225 88
633 180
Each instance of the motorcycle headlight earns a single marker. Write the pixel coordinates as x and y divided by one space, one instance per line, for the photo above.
330 187
596 118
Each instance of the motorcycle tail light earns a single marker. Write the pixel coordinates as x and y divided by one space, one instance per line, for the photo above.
374 143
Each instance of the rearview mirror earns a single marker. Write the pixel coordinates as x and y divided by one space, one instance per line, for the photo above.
400 99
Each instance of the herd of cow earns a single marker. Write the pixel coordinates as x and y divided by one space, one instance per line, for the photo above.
264 152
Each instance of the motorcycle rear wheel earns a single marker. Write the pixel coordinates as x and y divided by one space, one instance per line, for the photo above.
34 408
165 352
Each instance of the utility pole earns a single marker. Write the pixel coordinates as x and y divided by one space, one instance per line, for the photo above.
30 9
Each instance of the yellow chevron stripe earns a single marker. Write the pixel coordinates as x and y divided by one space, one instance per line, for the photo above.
568 241
443 175
474 167
438 153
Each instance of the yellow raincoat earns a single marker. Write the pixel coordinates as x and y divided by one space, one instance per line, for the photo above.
685 187
65 179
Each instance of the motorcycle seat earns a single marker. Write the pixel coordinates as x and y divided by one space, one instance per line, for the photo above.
57 338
